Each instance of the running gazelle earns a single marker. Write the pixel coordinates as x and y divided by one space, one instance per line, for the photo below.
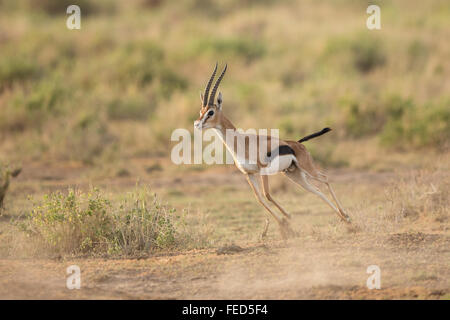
291 158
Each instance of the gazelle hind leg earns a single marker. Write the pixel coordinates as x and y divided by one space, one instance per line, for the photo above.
265 183
299 177
323 178
285 229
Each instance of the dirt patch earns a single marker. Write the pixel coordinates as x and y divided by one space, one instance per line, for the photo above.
360 292
415 239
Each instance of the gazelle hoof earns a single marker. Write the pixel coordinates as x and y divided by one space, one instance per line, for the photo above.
347 219
266 227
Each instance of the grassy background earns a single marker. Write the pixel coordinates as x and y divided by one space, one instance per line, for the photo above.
118 87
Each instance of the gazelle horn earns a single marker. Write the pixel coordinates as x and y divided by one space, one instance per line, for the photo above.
213 92
205 96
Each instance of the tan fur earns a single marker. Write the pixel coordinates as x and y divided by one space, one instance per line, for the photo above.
304 158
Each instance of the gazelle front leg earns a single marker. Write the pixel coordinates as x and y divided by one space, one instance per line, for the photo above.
285 229
265 183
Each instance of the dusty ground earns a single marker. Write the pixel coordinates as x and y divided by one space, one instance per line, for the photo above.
326 261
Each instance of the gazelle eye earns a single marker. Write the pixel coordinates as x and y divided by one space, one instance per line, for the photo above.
211 113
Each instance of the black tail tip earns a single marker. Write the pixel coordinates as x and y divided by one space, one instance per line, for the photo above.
311 136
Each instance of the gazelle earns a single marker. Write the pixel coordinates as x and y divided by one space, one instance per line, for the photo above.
288 157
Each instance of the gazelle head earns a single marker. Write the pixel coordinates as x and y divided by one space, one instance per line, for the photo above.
211 111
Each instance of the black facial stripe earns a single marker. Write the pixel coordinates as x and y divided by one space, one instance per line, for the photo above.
209 114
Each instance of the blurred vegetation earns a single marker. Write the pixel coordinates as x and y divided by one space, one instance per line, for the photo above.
6 172
120 85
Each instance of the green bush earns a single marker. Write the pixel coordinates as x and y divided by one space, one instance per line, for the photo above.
143 223
399 122
367 53
413 126
362 52
16 69
77 223
137 62
362 119
169 82
32 110
134 107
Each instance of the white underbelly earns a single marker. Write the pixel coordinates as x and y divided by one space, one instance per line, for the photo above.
278 164
245 165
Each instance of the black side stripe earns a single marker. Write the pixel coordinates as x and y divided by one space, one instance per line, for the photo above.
281 150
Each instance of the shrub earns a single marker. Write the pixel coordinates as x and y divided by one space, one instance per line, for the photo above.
138 62
27 110
72 223
78 223
170 82
367 53
143 223
410 125
399 122
130 107
15 69
363 52
362 119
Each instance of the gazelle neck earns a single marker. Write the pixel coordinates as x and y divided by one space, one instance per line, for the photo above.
221 129
224 125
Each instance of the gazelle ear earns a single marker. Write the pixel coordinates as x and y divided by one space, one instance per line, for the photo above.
219 100
201 96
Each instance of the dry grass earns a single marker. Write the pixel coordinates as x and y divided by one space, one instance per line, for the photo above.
419 198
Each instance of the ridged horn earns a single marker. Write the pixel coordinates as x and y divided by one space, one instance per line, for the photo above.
208 86
213 92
